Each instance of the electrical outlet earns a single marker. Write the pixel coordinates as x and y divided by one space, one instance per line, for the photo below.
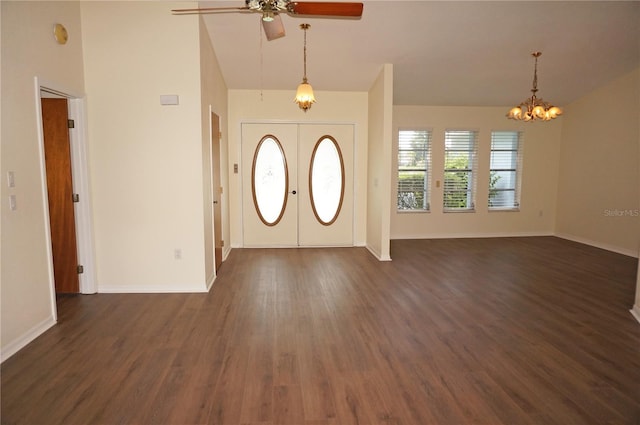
177 254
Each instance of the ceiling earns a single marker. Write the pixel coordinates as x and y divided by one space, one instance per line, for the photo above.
444 53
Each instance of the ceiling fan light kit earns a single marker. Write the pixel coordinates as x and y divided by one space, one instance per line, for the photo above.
271 10
304 95
534 108
273 27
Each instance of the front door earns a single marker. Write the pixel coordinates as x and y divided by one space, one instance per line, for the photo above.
281 208
57 152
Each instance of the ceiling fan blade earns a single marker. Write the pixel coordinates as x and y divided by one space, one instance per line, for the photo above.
204 10
273 29
353 10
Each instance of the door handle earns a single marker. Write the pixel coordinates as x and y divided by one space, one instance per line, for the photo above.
215 202
293 192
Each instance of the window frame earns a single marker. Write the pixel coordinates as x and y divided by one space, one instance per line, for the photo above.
471 170
517 186
285 166
427 151
312 200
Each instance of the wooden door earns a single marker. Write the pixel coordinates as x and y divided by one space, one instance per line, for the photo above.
217 189
60 195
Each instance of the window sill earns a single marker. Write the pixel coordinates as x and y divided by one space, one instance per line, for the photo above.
470 210
504 210
412 211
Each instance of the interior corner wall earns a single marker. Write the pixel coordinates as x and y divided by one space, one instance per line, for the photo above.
598 196
278 106
379 164
29 50
541 147
214 96
145 158
636 307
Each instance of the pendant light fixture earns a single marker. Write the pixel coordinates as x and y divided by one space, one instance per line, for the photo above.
304 95
533 108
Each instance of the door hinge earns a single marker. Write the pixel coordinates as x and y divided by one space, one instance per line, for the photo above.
220 135
80 269
221 243
71 124
220 189
76 197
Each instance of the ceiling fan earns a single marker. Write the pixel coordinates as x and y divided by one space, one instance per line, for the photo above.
271 9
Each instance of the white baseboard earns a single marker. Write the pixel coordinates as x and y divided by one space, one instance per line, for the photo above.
14 346
140 289
225 252
210 281
376 254
635 311
474 235
616 249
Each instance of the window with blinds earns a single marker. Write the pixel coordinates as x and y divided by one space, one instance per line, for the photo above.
414 167
505 170
460 164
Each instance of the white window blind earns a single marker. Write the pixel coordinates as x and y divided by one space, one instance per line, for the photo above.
414 167
505 170
460 164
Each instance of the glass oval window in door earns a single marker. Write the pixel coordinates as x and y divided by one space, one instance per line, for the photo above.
326 180
270 180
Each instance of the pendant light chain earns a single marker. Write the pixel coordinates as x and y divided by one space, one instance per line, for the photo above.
535 73
261 60
305 27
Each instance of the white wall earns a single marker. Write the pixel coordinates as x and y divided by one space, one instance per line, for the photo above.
598 196
539 175
214 98
379 164
145 159
278 106
29 50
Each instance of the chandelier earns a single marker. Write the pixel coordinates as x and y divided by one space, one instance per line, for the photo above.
534 108
304 95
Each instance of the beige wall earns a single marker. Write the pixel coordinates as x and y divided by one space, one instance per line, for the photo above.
278 106
598 196
379 164
539 175
214 98
28 51
145 158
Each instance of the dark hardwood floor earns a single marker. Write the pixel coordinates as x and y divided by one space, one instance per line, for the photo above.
469 331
